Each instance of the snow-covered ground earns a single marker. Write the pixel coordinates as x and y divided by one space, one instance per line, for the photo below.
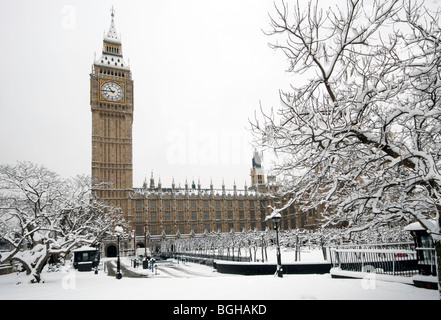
199 282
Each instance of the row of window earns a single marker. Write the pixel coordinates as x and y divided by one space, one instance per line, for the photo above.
111 72
110 49
154 216
170 227
218 227
153 204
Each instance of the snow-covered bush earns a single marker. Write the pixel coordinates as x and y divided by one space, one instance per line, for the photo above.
44 216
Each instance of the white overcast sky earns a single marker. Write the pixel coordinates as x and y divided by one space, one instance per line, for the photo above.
200 70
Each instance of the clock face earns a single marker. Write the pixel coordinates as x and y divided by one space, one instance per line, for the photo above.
112 91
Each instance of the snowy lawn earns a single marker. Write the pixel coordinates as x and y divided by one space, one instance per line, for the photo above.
199 282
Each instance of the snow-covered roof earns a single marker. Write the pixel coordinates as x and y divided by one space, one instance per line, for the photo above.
112 35
416 226
85 248
114 61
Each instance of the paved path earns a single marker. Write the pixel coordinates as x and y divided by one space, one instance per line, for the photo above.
190 270
111 270
164 270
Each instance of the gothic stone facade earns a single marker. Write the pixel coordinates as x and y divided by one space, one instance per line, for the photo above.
193 209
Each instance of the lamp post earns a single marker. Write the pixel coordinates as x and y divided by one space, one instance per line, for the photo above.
97 257
145 241
118 231
276 219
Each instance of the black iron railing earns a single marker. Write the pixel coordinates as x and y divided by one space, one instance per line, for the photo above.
207 256
397 259
381 261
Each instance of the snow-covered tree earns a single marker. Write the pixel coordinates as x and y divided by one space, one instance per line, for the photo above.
43 215
359 135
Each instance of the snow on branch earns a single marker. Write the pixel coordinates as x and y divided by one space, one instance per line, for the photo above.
359 138
43 215
277 212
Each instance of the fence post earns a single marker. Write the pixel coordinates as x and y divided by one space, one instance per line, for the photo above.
337 256
393 264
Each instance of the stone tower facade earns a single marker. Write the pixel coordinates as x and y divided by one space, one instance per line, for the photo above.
111 102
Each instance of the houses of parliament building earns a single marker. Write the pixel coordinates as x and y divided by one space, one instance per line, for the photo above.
153 208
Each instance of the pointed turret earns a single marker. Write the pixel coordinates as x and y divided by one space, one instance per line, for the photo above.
152 181
112 35
112 55
159 185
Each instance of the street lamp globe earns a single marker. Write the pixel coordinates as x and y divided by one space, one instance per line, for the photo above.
276 219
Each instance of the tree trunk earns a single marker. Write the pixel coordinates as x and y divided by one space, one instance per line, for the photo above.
34 270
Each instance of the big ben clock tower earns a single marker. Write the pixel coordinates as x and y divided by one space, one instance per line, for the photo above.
111 102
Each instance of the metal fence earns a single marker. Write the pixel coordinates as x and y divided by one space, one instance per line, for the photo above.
427 261
385 246
395 262
207 256
397 259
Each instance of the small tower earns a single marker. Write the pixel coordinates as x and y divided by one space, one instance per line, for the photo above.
257 174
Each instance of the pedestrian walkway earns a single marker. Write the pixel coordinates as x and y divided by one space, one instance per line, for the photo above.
163 269
111 270
183 271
